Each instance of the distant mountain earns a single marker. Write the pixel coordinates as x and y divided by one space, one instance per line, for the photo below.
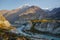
13 15
3 11
55 10
56 16
31 12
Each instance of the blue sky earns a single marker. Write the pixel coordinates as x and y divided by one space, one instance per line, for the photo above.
13 4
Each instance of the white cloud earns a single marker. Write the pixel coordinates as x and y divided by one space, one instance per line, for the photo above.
45 8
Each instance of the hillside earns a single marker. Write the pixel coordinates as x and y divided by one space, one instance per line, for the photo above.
4 24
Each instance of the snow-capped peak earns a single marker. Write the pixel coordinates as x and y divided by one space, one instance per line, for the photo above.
24 6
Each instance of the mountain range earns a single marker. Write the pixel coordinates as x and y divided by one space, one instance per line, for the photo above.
26 13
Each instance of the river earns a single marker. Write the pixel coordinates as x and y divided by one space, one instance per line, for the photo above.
34 36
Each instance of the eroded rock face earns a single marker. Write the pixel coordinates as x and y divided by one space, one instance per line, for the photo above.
48 27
